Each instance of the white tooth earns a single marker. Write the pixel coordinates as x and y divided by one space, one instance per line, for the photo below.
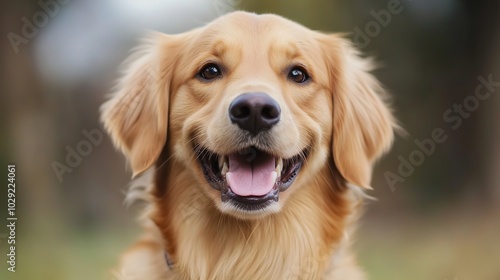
279 166
224 169
221 161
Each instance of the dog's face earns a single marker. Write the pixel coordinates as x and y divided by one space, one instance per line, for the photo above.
254 106
260 111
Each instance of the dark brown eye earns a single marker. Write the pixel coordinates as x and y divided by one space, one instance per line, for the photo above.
298 74
210 72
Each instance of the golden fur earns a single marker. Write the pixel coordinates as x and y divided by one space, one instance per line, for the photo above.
160 109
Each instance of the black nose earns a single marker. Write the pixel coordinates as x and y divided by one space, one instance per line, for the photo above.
254 112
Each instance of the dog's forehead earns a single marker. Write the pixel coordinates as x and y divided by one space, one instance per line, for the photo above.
250 20
265 29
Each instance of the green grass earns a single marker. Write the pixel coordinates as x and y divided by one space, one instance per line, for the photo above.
448 249
76 256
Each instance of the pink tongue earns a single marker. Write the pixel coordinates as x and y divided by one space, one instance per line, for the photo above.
251 178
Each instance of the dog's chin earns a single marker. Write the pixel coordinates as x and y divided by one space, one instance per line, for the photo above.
247 183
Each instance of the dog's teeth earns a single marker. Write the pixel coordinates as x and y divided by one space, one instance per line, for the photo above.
224 169
221 161
279 166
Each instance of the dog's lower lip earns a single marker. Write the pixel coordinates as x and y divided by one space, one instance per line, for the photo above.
228 195
210 163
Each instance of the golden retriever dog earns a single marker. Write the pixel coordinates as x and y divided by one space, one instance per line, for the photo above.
260 135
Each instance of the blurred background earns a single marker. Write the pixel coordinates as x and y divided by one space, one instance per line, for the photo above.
436 216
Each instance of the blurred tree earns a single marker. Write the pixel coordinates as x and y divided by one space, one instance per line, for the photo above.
28 123
31 139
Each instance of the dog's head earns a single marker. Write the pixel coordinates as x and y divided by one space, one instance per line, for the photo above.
254 106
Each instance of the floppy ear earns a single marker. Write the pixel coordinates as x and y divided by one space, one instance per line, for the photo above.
136 116
362 123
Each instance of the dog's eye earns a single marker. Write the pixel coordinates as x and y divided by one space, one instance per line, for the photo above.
298 75
210 71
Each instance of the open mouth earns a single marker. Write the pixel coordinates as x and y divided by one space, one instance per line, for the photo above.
251 179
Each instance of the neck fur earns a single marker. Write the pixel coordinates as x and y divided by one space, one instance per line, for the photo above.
296 243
